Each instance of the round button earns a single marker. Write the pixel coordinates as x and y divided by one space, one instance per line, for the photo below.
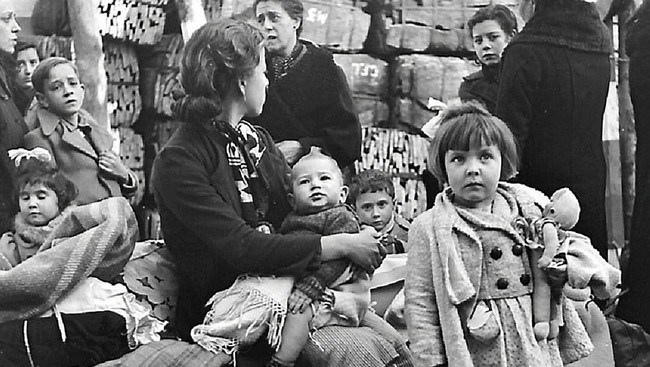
517 249
502 283
496 253
524 279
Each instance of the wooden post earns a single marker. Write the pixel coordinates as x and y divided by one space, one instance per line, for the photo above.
627 137
84 22
192 16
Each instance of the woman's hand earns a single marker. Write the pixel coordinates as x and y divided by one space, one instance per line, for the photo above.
110 163
361 248
291 149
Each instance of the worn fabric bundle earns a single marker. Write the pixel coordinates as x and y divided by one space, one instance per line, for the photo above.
91 240
240 315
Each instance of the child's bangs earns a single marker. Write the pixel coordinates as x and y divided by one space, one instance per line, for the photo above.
472 133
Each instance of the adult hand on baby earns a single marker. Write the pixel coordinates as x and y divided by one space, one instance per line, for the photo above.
298 301
365 249
110 163
291 149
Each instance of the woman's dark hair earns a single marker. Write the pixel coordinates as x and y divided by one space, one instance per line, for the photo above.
216 57
499 13
42 71
466 126
371 180
294 8
32 171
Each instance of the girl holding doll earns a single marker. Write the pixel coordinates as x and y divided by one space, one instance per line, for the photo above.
469 287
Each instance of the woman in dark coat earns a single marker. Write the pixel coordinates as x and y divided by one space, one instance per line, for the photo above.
309 101
554 84
633 306
221 188
12 125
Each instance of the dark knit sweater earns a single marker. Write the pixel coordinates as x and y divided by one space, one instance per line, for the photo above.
339 219
313 104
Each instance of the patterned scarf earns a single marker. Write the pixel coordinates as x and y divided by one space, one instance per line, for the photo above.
280 65
244 152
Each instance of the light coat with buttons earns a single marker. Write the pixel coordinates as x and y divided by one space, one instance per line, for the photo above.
446 260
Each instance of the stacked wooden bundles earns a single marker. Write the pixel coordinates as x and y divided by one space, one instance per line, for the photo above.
432 26
138 21
404 156
123 76
131 148
160 74
368 79
421 79
241 9
334 24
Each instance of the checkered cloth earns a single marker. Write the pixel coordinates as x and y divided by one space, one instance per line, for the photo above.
170 353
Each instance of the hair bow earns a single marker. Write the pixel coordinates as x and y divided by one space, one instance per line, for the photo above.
39 153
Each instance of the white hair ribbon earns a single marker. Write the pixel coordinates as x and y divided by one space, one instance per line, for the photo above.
19 154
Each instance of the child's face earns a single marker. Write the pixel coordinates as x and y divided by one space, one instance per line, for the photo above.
489 41
64 93
317 185
374 209
473 175
27 61
38 204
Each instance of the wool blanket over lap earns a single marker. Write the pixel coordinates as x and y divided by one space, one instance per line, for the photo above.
96 240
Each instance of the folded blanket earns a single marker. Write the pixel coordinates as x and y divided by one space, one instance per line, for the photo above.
91 240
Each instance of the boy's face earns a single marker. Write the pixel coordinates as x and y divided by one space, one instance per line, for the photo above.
38 204
64 93
27 61
317 185
375 209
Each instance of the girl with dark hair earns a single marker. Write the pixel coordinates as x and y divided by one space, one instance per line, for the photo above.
221 186
27 59
491 28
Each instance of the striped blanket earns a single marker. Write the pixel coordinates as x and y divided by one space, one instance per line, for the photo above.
90 240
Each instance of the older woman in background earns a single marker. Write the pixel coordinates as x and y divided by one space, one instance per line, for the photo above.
309 101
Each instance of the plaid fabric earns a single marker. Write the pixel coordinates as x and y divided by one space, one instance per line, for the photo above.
170 353
373 344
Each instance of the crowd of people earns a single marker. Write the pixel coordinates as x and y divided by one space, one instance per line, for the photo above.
274 236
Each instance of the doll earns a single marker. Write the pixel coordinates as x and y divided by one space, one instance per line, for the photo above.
545 235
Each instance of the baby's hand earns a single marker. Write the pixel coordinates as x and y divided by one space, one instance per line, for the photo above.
110 163
298 301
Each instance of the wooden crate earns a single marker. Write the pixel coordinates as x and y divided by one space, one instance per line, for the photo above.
337 26
123 75
372 110
365 74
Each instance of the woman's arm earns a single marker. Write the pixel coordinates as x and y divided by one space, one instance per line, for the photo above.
422 318
191 200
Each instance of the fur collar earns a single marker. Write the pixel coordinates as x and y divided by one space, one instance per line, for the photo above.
31 237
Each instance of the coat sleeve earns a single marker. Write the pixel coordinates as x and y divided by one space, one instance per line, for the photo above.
183 188
340 133
35 139
422 317
519 81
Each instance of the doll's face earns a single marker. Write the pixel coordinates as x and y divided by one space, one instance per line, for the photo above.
38 204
